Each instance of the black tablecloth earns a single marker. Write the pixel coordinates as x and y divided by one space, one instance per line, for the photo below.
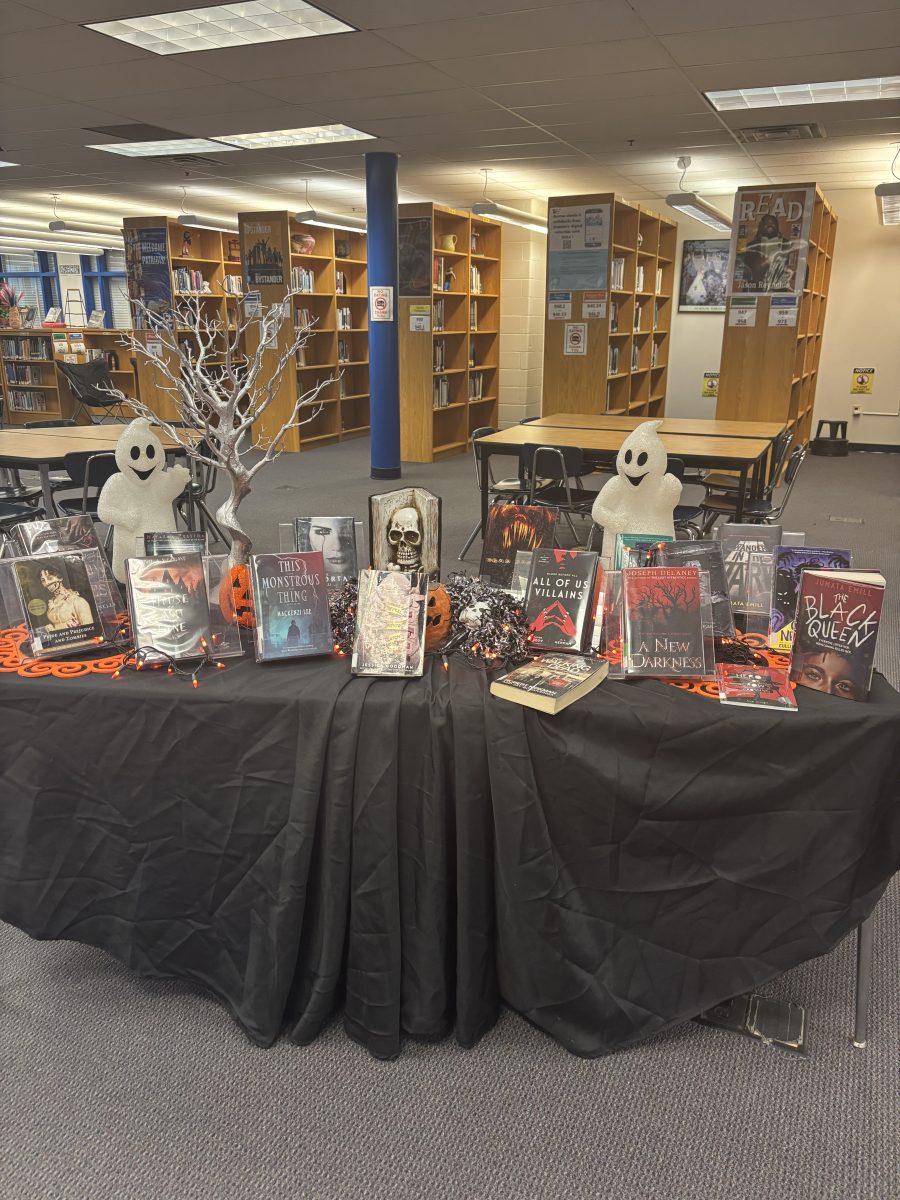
295 839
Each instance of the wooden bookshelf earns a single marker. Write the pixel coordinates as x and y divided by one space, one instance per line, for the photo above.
628 319
169 265
449 370
332 274
769 373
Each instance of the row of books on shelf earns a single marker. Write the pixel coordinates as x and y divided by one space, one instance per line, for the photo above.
344 351
341 284
617 273
666 609
617 276
639 277
187 280
344 317
233 285
613 359
440 386
24 401
303 279
476 385
437 316
25 347
475 279
23 373
473 315
438 355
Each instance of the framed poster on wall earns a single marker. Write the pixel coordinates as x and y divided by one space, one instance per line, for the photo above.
704 275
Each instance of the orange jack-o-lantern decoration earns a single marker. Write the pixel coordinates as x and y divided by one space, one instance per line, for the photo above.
236 598
437 618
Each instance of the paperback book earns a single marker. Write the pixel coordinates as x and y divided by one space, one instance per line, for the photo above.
59 534
559 601
755 687
61 611
291 603
706 556
182 541
738 543
510 528
637 549
663 621
390 624
169 606
552 682
335 537
788 564
836 632
224 628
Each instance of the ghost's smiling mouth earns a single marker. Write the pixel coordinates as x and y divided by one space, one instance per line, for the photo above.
143 474
635 479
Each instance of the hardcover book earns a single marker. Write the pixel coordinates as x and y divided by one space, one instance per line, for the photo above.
663 621
755 687
637 549
61 612
335 537
169 606
390 624
788 563
224 628
552 682
59 534
510 528
706 556
738 543
836 632
559 601
181 541
291 602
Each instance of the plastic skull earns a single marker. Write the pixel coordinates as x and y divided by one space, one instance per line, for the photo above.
405 540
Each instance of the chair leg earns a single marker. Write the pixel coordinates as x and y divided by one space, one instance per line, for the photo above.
471 538
570 523
865 942
211 521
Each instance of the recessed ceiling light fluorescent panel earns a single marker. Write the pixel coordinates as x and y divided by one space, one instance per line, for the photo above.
887 87
887 197
164 149
222 25
312 135
509 216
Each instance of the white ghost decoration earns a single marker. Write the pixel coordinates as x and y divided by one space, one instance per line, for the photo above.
139 499
641 496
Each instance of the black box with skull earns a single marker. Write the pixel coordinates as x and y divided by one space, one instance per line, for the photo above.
405 532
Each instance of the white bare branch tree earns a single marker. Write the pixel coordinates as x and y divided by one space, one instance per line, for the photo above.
221 390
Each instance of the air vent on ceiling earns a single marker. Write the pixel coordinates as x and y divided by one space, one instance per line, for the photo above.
780 133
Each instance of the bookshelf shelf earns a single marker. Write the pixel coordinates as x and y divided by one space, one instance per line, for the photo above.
448 386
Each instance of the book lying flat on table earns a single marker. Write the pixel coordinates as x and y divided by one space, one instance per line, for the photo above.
169 606
291 603
390 624
755 687
552 682
513 527
836 632
559 600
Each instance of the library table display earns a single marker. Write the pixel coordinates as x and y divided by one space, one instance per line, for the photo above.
295 839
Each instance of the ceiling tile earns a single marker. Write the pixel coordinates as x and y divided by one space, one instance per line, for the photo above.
15 18
304 56
58 46
805 68
362 112
398 79
787 39
148 74
593 87
55 116
662 16
632 54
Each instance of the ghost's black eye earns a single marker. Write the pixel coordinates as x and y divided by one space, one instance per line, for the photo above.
627 456
151 451
641 458
135 453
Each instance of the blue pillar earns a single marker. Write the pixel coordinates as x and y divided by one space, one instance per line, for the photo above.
384 355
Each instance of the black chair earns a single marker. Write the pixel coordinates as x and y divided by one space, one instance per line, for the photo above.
91 385
194 496
549 470
716 482
505 491
763 511
88 470
59 480
11 514
686 518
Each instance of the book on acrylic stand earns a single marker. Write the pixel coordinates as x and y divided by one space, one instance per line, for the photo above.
513 527
290 600
179 541
788 563
559 599
169 607
63 611
706 556
663 622
59 534
738 543
336 538
224 627
390 624
836 632
637 549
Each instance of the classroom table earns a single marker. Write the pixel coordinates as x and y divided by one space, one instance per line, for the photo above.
700 426
44 450
747 456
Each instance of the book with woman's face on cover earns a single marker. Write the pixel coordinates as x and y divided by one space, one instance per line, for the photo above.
61 613
335 538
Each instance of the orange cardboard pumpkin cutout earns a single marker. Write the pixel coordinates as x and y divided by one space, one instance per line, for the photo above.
437 618
236 596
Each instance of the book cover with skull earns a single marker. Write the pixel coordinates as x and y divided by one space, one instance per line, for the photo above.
390 624
405 532
291 603
169 606
559 604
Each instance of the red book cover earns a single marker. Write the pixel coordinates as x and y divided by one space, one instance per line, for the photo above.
512 527
559 603
755 687
838 615
663 625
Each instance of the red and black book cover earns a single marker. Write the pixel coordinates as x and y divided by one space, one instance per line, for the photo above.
559 602
750 686
512 527
836 630
663 625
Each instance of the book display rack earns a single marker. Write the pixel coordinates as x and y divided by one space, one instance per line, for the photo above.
770 364
610 281
329 267
449 316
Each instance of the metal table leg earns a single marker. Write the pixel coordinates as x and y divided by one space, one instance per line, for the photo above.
865 940
741 496
46 490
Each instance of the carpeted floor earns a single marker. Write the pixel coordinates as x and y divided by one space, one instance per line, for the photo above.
118 1088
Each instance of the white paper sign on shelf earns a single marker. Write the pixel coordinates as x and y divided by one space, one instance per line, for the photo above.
576 338
154 347
783 311
420 318
559 306
381 303
593 305
742 312
252 305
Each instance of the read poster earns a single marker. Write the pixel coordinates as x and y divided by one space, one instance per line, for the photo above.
770 241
